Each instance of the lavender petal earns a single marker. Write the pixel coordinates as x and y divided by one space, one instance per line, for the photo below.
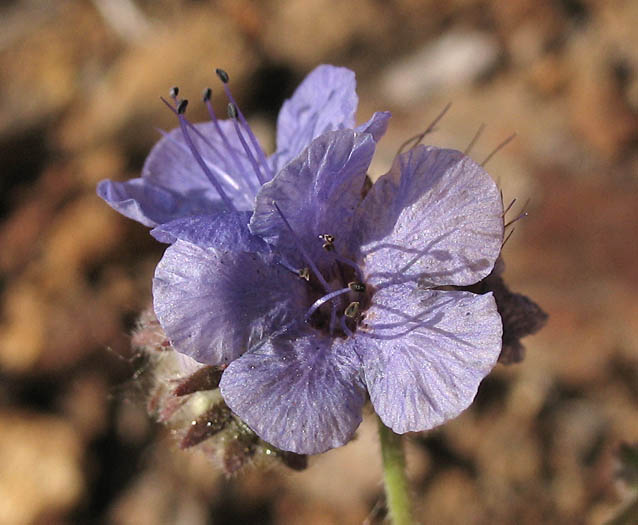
425 352
436 217
302 395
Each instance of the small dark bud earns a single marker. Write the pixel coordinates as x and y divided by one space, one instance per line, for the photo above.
232 111
207 94
181 107
211 422
206 378
352 309
223 76
174 92
357 287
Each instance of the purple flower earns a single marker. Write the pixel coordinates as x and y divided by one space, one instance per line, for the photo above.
328 291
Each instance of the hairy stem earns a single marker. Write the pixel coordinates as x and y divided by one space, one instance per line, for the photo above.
396 483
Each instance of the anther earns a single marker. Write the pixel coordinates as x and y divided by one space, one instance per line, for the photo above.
329 241
239 117
181 107
301 248
232 111
352 309
304 273
223 76
174 92
357 286
207 94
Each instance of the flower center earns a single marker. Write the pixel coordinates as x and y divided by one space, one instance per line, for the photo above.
347 302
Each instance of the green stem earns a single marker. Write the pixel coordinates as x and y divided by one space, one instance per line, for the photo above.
396 483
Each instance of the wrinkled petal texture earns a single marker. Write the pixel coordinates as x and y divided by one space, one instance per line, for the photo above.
436 217
326 100
209 231
317 193
173 185
303 395
425 352
215 303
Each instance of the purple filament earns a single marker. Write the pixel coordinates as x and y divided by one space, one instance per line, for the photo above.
323 300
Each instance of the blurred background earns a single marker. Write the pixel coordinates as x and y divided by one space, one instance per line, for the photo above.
79 101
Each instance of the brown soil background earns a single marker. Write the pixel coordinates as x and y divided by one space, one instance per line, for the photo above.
79 84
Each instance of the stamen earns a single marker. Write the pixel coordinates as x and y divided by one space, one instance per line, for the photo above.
499 148
181 106
289 267
323 300
357 287
352 309
304 273
174 92
231 150
221 173
350 263
329 241
187 138
223 76
303 251
232 114
329 246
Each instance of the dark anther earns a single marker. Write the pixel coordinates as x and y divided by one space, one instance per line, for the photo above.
357 287
232 111
181 107
352 309
223 76
304 273
329 241
174 91
207 94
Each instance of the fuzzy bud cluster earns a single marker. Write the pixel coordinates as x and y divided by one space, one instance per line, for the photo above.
184 396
